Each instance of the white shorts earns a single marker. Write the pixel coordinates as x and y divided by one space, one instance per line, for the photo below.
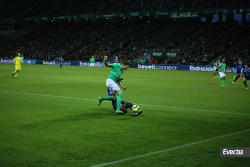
112 86
215 69
92 64
222 74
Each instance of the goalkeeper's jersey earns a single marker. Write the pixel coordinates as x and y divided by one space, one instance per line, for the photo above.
18 61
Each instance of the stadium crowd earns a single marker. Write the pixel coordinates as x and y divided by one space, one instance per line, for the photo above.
64 7
195 43
210 42
238 49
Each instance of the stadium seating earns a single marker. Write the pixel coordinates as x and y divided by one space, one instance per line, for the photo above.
197 43
210 41
64 7
238 49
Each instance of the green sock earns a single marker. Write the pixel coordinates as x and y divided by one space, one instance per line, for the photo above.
219 78
118 101
107 98
224 81
92 68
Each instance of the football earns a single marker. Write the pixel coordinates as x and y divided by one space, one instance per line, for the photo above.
135 108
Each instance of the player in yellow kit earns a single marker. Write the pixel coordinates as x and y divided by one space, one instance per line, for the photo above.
17 61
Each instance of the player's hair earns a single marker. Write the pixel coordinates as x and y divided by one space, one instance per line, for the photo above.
128 104
126 63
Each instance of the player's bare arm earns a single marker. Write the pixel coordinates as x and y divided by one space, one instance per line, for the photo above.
106 64
119 83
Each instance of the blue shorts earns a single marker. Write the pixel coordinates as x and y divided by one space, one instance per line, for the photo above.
238 71
247 77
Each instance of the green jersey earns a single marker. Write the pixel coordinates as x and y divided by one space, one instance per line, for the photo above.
92 60
22 57
215 65
116 72
222 67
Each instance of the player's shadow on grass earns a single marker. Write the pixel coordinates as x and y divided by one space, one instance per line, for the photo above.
112 113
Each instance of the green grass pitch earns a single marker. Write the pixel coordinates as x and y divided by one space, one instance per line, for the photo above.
49 117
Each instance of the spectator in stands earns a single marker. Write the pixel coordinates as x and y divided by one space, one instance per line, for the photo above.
128 42
156 61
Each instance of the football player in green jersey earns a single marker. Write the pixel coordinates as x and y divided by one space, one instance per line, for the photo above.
111 83
92 62
216 64
22 59
222 68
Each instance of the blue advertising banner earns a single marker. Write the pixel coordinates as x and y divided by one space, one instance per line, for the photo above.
97 64
209 68
161 66
7 60
24 61
29 61
51 62
140 66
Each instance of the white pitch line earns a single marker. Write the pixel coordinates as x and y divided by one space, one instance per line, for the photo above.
138 104
168 149
49 83
196 109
